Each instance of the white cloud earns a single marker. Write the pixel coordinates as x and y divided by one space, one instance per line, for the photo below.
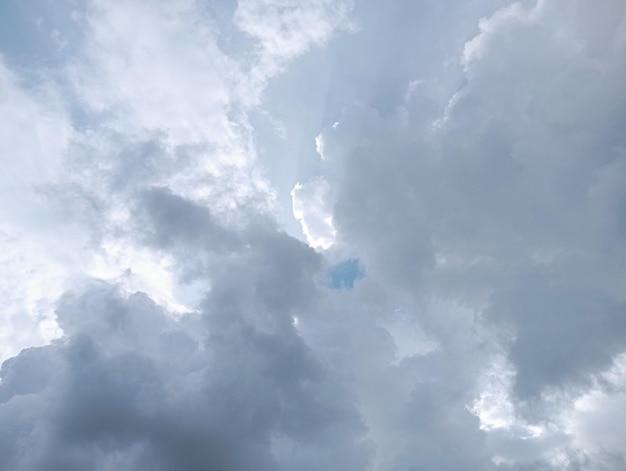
596 420
312 206
285 29
137 66
34 136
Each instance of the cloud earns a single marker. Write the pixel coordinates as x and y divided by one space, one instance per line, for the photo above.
489 200
310 207
156 170
130 386
286 29
35 136
466 159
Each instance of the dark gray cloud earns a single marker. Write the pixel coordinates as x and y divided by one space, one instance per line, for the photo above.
174 221
129 386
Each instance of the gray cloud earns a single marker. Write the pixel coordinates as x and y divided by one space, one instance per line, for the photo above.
470 163
491 186
131 386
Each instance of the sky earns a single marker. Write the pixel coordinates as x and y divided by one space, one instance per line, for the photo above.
278 235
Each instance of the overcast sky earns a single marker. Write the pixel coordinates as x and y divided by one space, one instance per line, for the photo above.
312 235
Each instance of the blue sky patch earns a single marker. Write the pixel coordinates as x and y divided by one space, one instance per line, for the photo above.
345 274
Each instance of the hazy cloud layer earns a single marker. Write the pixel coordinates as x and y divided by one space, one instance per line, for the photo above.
455 298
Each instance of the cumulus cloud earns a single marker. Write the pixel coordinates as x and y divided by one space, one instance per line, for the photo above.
460 164
488 200
130 386
310 207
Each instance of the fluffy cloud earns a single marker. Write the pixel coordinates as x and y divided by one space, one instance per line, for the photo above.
470 167
490 200
35 136
130 386
311 209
